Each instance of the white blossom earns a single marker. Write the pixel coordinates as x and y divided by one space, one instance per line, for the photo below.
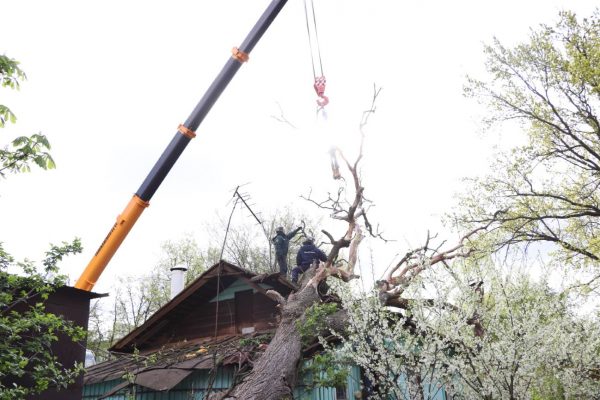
533 344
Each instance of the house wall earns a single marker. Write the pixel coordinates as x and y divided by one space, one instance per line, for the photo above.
73 305
193 388
199 320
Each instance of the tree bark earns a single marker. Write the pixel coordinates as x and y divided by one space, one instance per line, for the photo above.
274 375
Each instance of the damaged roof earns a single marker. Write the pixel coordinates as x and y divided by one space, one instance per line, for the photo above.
165 368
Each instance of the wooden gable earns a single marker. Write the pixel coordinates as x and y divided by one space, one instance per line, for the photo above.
224 300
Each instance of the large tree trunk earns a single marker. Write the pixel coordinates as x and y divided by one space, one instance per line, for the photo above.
273 376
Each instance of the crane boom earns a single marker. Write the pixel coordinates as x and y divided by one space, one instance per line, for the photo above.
185 133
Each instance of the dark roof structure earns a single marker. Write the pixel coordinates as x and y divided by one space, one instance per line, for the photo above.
165 368
222 318
162 327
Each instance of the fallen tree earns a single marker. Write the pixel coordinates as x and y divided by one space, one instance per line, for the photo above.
273 376
542 192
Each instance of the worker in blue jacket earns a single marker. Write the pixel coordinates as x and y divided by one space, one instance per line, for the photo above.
282 245
307 254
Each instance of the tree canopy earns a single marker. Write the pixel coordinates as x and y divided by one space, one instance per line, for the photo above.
23 150
505 334
27 332
546 190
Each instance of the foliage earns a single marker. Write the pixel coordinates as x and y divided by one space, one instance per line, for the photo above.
325 370
27 331
249 244
314 320
185 252
137 298
99 335
506 335
10 76
545 190
255 341
24 150
533 342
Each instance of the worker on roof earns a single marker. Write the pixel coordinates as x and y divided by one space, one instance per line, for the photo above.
307 255
282 245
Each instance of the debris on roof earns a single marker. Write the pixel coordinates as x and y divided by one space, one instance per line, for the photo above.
164 368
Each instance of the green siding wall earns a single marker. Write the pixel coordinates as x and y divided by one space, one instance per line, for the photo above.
192 388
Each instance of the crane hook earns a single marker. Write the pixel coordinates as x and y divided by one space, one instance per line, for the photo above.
319 86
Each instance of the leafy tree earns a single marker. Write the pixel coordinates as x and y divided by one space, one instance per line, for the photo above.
137 298
184 252
27 331
528 341
249 244
520 339
10 76
546 190
99 334
23 150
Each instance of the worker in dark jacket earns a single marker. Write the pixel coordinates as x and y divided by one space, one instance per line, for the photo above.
307 254
282 244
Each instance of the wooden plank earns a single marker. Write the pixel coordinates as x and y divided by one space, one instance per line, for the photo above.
255 286
244 317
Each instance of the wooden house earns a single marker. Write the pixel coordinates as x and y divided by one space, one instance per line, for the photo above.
200 342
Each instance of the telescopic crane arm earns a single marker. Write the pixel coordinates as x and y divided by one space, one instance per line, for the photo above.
185 133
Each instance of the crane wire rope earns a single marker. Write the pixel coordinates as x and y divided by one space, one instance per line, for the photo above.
319 81
314 20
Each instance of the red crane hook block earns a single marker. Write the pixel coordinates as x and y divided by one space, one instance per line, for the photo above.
320 89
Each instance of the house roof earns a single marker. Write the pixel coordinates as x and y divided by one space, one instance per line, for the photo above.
214 280
73 291
165 368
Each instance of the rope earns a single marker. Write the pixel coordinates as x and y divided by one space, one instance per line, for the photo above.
312 59
219 268
316 35
213 371
320 81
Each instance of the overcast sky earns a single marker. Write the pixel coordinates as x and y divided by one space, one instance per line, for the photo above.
109 81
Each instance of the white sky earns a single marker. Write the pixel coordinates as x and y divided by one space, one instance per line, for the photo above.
109 81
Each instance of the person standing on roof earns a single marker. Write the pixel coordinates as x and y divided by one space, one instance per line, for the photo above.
307 254
282 244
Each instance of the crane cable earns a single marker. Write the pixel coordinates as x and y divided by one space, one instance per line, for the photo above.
320 81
